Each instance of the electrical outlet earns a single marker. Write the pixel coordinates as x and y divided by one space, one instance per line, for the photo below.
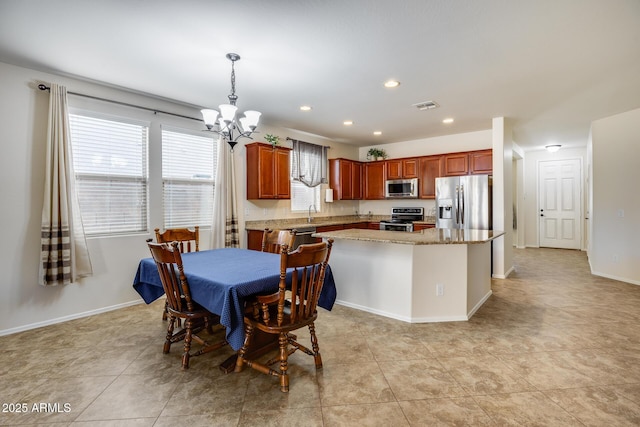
439 289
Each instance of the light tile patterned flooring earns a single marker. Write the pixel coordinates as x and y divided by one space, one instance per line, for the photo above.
553 346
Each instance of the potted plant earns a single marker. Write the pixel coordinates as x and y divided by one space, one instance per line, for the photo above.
376 154
272 139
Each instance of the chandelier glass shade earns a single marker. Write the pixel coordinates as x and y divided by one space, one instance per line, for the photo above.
224 122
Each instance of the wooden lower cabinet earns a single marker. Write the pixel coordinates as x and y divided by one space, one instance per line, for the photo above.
254 240
419 227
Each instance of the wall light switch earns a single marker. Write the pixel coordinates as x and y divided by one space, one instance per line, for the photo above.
620 213
439 289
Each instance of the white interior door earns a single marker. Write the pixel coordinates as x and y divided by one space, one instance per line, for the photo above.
559 211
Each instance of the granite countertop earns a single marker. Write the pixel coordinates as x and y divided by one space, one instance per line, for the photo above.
430 236
319 221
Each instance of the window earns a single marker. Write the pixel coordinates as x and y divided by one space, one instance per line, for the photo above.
302 197
110 162
188 174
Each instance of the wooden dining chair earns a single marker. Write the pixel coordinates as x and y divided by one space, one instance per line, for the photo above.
188 240
180 305
292 307
273 240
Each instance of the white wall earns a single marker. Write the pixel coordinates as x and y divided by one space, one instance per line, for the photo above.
615 246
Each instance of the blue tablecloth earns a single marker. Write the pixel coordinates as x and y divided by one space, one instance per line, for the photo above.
221 279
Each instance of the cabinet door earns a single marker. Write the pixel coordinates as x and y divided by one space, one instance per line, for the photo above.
374 181
356 181
346 179
430 169
410 168
254 240
266 177
282 175
456 164
481 162
393 169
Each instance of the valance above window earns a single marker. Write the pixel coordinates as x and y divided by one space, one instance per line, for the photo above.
309 163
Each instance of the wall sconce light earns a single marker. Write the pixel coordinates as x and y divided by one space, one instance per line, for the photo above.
553 148
328 195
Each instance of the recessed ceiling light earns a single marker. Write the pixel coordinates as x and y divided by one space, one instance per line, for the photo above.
305 108
391 83
448 120
376 133
347 122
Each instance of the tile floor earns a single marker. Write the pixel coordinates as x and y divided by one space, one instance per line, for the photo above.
553 346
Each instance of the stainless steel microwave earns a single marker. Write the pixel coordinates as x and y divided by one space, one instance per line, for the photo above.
401 188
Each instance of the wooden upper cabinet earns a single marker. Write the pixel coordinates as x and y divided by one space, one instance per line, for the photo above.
345 178
393 169
357 180
401 168
374 180
455 164
410 168
481 162
267 172
430 169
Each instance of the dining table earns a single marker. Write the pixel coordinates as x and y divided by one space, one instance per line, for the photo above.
221 280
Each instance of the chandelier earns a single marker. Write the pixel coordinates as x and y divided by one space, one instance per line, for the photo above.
227 126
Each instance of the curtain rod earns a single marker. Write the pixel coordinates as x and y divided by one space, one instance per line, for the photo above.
323 146
155 111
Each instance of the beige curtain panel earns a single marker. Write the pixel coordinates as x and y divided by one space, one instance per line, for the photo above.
64 253
224 230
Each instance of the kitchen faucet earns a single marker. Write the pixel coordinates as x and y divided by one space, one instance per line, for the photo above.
309 219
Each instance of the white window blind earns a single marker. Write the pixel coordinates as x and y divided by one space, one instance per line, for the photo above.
110 162
302 197
188 174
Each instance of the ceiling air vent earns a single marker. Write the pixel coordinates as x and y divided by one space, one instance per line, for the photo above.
426 105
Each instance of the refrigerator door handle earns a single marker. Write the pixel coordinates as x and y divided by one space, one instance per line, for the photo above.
462 202
457 204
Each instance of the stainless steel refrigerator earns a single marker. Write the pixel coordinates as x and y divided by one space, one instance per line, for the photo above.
464 202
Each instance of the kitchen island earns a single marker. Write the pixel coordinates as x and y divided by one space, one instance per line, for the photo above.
434 275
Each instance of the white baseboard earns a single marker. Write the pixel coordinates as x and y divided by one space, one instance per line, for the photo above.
69 317
619 279
479 304
505 275
404 318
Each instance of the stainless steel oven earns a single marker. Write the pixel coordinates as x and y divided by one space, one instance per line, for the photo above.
402 219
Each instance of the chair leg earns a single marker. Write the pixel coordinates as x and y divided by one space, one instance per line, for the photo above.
167 342
314 345
188 324
283 340
248 336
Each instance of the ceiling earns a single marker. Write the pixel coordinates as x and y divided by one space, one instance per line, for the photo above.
550 66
